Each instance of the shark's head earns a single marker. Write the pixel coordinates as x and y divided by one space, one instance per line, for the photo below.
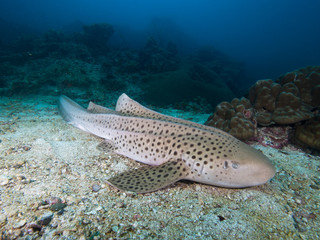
232 164
247 167
254 168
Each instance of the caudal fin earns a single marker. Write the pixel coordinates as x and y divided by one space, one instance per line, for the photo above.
70 111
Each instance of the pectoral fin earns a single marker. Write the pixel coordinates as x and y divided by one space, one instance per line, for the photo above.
150 178
107 146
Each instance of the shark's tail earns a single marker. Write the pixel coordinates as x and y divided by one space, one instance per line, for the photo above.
72 112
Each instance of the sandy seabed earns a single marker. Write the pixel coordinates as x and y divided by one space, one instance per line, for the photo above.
53 186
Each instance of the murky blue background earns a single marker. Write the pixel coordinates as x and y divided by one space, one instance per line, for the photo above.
271 37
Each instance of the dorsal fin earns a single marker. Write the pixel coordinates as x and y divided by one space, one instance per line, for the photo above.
95 108
127 106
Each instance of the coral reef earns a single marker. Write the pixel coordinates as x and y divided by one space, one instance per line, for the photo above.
178 86
219 64
289 100
235 118
171 81
59 62
309 133
155 59
49 75
307 82
278 103
275 137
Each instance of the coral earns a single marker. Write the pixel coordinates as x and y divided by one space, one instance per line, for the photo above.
307 81
309 133
276 103
289 100
46 73
220 65
153 58
203 74
236 117
275 137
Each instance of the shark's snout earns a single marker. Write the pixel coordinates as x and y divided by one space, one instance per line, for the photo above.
261 173
256 167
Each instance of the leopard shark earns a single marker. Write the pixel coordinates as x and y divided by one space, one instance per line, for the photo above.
174 149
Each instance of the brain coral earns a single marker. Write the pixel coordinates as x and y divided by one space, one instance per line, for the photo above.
235 117
276 103
287 101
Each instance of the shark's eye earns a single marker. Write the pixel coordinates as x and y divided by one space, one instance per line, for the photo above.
225 165
235 165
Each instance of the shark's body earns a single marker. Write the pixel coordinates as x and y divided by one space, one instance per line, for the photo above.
177 149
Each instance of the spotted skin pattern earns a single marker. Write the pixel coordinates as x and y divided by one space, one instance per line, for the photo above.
176 148
150 178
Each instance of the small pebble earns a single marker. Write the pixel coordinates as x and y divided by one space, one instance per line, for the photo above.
71 200
120 204
20 224
35 226
4 180
82 237
52 200
57 207
66 233
115 228
21 177
315 187
54 224
60 212
198 188
45 218
96 187
3 220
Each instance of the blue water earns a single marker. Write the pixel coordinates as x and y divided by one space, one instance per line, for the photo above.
231 44
271 37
